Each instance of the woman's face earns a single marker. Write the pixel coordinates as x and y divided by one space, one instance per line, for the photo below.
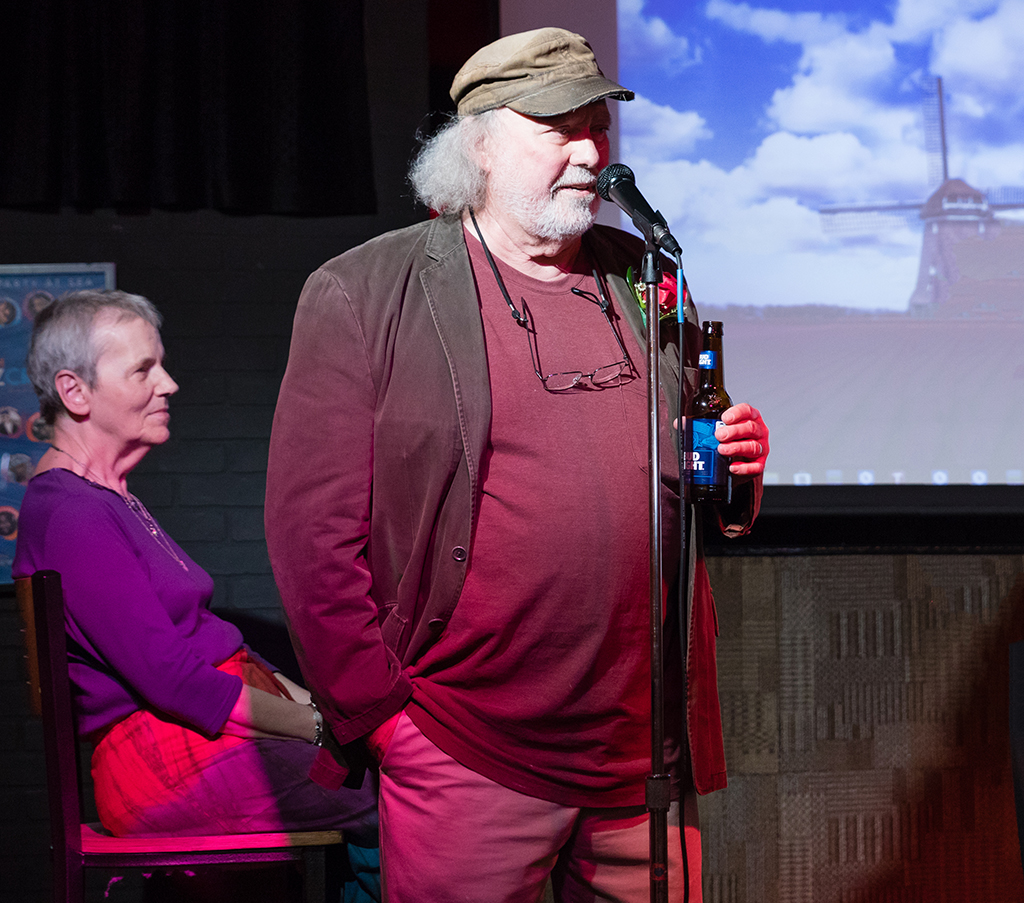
130 399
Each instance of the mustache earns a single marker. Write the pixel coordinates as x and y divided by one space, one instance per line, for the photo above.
575 177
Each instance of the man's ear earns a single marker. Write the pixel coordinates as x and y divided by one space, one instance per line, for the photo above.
481 152
73 392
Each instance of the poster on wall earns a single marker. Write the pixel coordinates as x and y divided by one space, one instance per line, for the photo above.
25 289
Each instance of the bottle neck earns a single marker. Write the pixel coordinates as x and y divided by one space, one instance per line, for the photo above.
712 366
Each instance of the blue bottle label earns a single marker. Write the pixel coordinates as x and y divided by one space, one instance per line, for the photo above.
706 361
707 467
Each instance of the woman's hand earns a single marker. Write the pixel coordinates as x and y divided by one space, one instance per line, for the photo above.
260 714
300 694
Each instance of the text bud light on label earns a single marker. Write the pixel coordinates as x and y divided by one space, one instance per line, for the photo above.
705 462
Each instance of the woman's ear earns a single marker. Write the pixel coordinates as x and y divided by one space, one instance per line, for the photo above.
73 392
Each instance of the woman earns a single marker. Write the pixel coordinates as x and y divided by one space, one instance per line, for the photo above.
193 732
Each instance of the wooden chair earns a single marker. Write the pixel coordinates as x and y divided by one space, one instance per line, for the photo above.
77 846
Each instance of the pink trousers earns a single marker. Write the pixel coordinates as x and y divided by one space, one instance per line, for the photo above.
449 835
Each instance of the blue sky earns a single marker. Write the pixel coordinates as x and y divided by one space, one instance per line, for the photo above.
749 117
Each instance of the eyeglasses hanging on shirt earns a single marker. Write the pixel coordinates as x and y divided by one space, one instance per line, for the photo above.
606 377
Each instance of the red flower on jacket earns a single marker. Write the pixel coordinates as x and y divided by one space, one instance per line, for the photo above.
668 293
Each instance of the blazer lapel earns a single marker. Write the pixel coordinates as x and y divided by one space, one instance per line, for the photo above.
452 298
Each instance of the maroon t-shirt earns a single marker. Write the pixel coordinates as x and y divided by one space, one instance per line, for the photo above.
541 681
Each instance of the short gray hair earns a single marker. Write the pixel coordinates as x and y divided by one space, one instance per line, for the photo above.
445 175
63 339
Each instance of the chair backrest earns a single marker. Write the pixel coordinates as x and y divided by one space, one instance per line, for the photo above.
75 845
23 590
44 623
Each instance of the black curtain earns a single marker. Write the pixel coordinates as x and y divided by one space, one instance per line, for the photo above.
244 106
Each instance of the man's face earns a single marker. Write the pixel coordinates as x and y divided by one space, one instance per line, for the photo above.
542 172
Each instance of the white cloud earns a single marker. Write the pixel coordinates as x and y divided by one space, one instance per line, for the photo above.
841 79
982 61
862 278
814 106
741 250
836 166
742 246
774 25
648 40
994 167
837 87
747 239
916 20
659 132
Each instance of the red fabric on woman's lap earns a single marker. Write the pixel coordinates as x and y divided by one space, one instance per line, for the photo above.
144 763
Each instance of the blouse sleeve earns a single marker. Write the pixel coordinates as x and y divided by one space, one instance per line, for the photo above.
162 650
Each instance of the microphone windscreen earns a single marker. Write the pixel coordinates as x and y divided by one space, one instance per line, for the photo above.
612 173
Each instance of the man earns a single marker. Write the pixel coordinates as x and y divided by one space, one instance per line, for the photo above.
462 547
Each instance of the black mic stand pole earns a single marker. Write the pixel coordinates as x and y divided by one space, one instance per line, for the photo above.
658 789
685 572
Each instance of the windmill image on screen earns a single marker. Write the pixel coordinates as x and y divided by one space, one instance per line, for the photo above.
913 396
954 214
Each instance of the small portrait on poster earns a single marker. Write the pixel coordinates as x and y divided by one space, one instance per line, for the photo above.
8 523
10 422
16 468
37 429
35 302
8 312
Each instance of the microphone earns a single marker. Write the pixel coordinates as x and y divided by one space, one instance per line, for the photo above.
617 184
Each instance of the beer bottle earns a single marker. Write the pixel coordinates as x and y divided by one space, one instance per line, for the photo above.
707 470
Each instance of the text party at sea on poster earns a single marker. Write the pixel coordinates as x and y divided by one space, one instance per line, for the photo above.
24 291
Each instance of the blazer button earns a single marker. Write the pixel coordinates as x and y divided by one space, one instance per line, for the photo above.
459 553
436 625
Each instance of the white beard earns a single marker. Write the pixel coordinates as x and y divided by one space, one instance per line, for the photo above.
556 217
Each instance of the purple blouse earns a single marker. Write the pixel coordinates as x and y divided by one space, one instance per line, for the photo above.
140 633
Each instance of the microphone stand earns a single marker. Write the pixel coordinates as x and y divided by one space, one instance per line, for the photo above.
615 183
686 574
658 791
